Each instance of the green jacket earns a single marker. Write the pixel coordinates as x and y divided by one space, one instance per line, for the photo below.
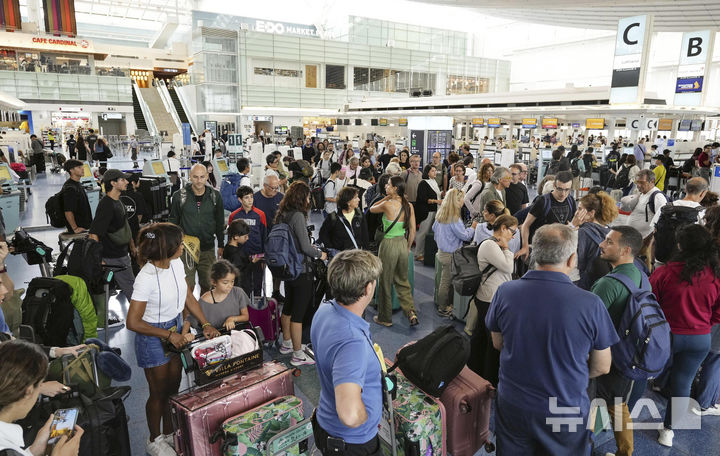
205 222
83 304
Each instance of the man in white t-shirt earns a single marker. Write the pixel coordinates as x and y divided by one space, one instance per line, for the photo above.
644 204
330 189
695 189
243 166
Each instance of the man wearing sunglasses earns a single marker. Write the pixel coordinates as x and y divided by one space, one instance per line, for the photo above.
557 206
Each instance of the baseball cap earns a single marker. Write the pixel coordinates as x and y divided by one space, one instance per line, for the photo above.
114 174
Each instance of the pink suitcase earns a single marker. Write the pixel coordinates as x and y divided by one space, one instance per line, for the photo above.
267 317
199 413
467 400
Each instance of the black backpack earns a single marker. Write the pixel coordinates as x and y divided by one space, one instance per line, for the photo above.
54 210
623 177
48 309
574 167
671 218
434 361
84 261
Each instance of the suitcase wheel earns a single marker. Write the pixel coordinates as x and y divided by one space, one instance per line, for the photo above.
296 372
489 447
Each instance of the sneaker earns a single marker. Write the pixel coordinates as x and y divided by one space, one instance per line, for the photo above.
284 349
159 447
443 312
666 437
115 321
305 360
710 411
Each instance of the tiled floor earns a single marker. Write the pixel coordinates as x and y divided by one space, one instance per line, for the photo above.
699 442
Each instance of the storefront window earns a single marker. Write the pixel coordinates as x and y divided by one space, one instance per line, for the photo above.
461 85
54 63
334 77
360 78
8 60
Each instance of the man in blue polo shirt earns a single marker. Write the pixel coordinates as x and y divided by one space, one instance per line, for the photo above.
550 346
256 220
350 407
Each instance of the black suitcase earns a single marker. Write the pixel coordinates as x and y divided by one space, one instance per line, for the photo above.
48 310
156 191
103 419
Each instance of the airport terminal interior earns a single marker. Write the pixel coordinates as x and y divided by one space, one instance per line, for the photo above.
590 114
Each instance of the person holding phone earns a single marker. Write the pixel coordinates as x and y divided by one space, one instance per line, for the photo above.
24 367
161 297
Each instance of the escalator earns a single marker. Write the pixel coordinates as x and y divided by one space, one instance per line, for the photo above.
178 106
137 113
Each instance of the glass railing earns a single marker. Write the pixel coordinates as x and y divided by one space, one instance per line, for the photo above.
65 87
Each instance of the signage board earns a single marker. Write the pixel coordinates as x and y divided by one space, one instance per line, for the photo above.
576 124
665 124
695 57
595 124
212 126
529 123
417 142
632 44
260 118
494 122
234 143
478 122
684 125
633 123
402 122
383 122
50 43
281 130
228 22
550 122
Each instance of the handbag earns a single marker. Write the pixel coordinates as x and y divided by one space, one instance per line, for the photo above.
124 234
380 235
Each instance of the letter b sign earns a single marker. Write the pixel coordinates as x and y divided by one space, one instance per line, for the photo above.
694 48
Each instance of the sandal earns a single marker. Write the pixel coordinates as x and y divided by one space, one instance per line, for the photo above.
420 258
380 322
412 317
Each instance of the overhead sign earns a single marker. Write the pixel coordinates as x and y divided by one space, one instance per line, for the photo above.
633 123
234 143
260 118
632 44
549 122
111 115
417 142
665 124
695 57
402 122
595 124
28 41
576 124
650 123
529 123
227 22
478 122
383 122
494 122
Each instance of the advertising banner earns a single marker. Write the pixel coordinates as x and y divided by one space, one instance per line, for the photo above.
695 56
632 44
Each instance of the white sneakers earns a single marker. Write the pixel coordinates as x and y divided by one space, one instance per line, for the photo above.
714 410
665 437
286 349
160 447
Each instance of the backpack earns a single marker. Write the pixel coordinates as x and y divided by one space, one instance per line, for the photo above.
466 274
434 361
54 210
623 177
305 168
575 167
644 347
547 205
213 197
281 254
228 191
48 309
84 261
553 167
671 218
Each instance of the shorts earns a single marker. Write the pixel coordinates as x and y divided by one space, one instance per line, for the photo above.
149 350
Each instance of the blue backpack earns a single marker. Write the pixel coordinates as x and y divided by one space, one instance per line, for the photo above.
281 254
644 347
228 191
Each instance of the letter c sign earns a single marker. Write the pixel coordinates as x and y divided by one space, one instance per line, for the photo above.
627 39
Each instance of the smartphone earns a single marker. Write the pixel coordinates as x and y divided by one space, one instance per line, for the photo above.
63 423
259 255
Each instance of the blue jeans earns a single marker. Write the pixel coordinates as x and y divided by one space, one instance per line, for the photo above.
688 352
707 390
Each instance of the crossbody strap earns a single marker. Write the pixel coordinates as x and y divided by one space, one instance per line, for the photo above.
349 231
394 221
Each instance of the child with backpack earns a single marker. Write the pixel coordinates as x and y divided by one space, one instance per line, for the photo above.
238 234
225 304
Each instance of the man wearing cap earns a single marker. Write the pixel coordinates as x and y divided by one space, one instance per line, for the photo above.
76 205
135 208
110 227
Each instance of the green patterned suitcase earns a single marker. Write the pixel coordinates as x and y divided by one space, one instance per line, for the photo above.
419 421
250 432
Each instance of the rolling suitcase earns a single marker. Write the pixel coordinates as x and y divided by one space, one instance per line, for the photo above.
467 400
250 432
197 414
264 313
420 422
